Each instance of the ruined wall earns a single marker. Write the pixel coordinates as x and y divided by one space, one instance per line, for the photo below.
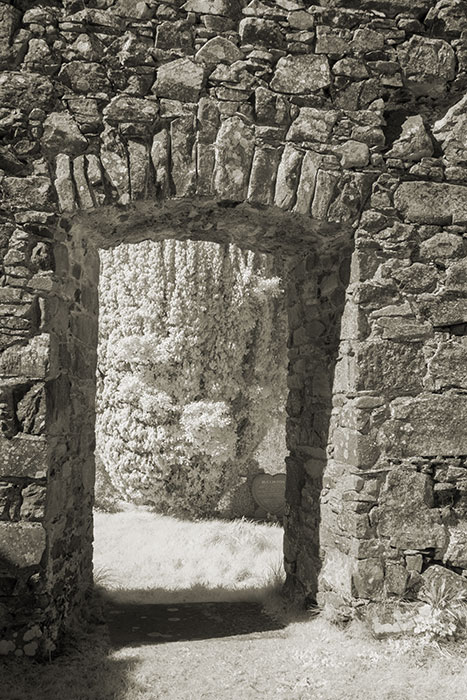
281 126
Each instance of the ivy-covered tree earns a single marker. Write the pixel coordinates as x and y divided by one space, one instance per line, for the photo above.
192 369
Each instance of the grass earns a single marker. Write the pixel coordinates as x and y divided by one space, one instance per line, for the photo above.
145 557
311 659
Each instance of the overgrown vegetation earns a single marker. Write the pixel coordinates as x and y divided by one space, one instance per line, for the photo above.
192 369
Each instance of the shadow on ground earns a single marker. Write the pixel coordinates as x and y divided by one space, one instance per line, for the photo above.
85 670
136 624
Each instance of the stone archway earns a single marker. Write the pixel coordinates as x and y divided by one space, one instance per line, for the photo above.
283 126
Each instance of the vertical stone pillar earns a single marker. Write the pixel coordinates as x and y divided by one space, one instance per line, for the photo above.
315 295
394 498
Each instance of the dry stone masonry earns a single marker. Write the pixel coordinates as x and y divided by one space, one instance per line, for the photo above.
330 133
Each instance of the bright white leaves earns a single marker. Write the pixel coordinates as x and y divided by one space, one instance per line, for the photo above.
192 368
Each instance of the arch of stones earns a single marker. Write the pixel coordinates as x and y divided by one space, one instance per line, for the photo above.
330 133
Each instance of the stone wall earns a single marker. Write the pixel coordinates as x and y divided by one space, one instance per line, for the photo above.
288 127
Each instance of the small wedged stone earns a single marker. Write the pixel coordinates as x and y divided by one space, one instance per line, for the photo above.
301 73
181 79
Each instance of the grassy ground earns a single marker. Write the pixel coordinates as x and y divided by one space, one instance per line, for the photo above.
311 659
145 557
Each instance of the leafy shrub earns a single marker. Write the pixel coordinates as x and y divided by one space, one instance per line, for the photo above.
192 367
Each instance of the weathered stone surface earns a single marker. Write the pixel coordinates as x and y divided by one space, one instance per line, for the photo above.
183 154
390 368
430 424
354 154
288 177
114 159
441 247
21 544
63 183
26 91
23 456
302 73
89 78
428 65
325 187
62 135
307 184
406 514
160 160
367 578
451 132
27 192
312 125
234 155
414 143
125 108
254 30
270 107
218 50
212 7
33 505
33 360
432 202
263 175
179 80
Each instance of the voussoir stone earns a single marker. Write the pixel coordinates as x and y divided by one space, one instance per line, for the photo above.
301 73
234 154
219 50
182 80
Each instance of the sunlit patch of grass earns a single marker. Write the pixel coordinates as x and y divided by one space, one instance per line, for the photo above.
158 558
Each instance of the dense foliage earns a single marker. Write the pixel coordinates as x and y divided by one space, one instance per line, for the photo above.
192 365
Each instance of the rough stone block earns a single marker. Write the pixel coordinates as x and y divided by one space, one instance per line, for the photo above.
28 192
430 424
432 202
435 575
234 155
23 456
428 65
406 514
21 544
390 368
312 125
35 360
301 73
181 79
